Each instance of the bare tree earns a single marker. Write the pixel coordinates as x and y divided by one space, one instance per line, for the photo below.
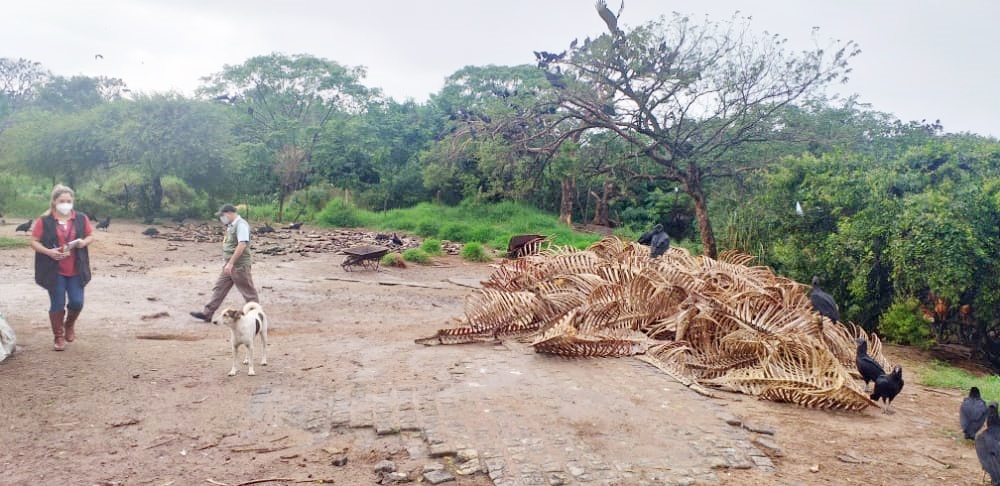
683 95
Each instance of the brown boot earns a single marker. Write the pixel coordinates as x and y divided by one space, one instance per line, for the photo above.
71 316
56 319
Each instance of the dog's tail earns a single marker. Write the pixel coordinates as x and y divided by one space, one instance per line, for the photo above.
252 306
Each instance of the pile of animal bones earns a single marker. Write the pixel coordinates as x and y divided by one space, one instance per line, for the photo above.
705 322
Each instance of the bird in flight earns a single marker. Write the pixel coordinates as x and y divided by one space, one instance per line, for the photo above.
98 56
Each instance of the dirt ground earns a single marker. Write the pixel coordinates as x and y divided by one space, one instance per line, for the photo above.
142 396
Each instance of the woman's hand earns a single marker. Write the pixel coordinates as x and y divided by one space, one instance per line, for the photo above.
55 254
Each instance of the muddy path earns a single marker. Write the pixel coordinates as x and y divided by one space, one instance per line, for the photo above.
142 396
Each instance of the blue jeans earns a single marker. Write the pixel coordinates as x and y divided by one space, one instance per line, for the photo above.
66 286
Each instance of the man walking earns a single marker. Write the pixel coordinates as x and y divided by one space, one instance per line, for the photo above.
236 249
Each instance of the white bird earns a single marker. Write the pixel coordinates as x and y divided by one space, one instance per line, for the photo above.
798 209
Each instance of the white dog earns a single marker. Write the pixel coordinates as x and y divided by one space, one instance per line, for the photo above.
245 325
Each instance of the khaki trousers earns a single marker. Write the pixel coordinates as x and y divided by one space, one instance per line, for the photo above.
243 281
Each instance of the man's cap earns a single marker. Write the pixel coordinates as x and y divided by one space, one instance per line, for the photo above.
226 208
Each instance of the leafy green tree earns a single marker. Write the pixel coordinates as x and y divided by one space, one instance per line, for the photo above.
78 93
169 135
20 80
281 101
685 95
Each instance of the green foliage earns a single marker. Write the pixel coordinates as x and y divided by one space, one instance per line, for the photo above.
394 259
341 214
432 247
904 323
475 252
7 243
943 375
416 255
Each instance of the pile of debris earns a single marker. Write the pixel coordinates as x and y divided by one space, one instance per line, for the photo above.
705 322
268 240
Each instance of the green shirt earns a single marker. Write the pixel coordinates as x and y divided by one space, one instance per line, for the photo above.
237 232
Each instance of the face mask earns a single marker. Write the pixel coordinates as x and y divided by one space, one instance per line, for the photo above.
224 220
64 208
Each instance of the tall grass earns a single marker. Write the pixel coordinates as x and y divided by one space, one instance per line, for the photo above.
943 375
490 224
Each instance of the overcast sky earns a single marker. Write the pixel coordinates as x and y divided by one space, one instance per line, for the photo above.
920 59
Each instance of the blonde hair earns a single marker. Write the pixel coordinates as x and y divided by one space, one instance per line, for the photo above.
57 191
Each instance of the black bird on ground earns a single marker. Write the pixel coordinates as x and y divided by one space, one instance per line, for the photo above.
972 414
396 241
24 227
104 224
887 387
657 239
988 445
823 302
294 226
267 228
151 232
869 368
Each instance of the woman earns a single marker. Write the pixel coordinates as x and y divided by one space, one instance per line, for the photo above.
60 238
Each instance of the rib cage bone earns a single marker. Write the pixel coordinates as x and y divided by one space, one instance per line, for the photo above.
705 322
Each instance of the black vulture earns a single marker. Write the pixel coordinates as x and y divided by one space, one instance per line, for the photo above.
98 56
266 228
104 224
887 387
555 80
24 227
572 45
396 241
823 302
150 232
869 368
657 239
988 445
972 414
294 226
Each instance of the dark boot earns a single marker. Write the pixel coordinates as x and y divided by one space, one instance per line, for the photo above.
56 320
71 316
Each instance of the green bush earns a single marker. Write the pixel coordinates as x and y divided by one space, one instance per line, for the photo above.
904 323
428 227
339 213
416 255
393 260
455 232
475 252
432 247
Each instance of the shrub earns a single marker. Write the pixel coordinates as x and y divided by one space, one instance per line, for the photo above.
393 260
475 252
340 213
416 255
428 227
904 323
455 232
432 247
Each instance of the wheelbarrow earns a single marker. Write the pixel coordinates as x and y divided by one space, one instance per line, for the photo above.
368 257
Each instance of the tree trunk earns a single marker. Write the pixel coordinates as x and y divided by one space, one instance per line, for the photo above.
694 189
566 202
281 205
602 210
157 196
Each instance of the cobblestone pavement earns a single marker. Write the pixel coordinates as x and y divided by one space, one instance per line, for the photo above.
529 419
